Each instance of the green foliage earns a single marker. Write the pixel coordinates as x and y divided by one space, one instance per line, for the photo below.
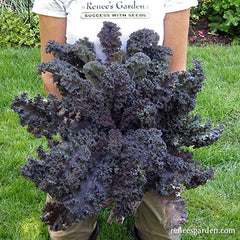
199 11
224 15
15 30
21 6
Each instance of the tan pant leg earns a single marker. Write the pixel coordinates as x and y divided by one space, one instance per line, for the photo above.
148 220
78 231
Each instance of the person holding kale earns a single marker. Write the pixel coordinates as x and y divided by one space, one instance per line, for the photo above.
67 21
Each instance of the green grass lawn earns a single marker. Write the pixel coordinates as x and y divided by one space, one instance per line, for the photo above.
214 206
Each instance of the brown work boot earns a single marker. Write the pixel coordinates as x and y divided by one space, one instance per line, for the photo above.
135 233
94 234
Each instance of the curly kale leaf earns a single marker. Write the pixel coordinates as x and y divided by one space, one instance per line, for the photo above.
94 71
121 124
137 66
76 54
140 40
196 133
65 75
39 115
109 37
146 41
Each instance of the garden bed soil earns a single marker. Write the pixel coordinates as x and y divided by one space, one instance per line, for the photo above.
199 34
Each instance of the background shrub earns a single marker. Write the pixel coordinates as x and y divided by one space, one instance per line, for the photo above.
18 29
18 26
21 6
223 16
201 10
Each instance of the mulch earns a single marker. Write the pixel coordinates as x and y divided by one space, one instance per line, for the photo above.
199 34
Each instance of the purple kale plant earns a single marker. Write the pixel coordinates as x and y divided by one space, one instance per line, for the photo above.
121 128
